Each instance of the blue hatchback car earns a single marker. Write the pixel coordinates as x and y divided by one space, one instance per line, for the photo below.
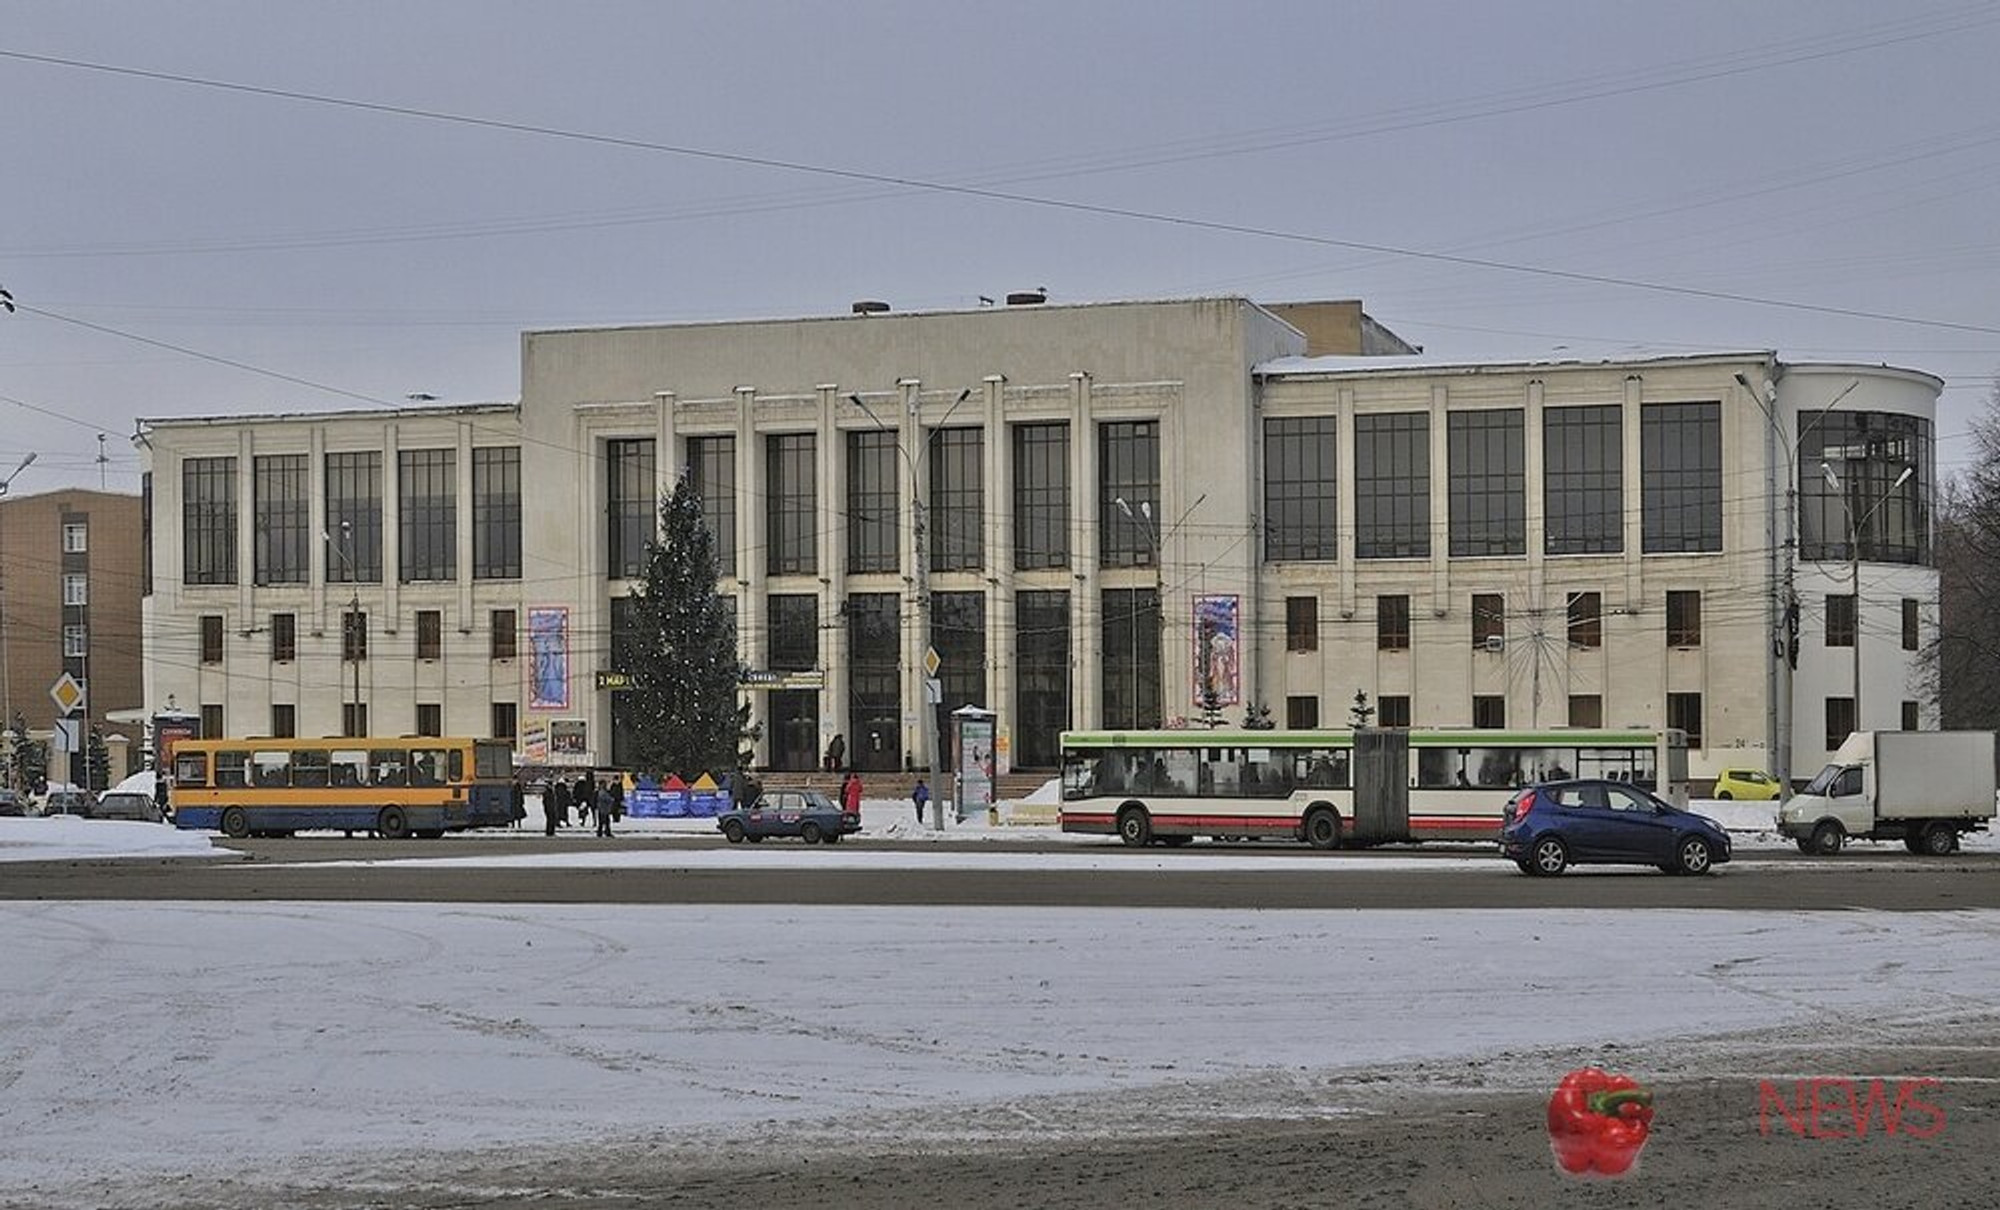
806 814
1553 826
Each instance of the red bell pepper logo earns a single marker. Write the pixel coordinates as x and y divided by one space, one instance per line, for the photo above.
1598 1122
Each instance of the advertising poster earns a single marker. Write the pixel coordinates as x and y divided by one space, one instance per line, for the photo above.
569 740
1217 666
548 669
975 762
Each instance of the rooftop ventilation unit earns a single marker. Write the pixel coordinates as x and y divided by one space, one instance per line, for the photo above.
870 306
1027 298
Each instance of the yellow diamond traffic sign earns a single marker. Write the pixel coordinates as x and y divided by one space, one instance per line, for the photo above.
931 661
66 693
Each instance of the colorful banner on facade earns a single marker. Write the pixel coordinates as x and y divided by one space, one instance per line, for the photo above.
1217 664
548 643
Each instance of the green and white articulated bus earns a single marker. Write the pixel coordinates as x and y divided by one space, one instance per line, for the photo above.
1172 786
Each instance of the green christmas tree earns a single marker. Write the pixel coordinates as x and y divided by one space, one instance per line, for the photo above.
680 652
97 762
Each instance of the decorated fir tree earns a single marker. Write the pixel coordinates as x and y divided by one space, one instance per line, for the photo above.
680 652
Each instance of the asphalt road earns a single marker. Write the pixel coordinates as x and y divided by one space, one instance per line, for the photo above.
300 869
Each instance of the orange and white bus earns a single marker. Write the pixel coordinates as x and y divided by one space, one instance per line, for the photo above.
413 785
1171 786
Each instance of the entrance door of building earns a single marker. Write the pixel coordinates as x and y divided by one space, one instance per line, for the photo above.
794 729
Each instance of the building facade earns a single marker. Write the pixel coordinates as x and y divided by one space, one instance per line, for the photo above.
1108 515
70 590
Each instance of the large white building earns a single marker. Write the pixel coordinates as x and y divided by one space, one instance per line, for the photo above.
1119 505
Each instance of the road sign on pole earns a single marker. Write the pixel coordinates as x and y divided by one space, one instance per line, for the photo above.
67 693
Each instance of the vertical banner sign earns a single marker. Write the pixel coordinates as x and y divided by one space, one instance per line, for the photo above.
975 763
1217 650
548 642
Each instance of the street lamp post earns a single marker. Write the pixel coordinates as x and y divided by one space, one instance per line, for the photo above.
1854 528
6 687
352 723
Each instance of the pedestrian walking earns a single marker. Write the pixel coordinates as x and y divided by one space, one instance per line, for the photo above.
556 796
549 808
520 804
921 796
606 803
850 794
836 752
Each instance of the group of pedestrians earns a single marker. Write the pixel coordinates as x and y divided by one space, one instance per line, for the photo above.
588 797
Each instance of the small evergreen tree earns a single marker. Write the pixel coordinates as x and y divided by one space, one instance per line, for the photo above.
97 763
1360 712
680 652
1257 717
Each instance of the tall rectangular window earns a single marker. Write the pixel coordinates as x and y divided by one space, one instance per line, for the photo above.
1489 621
1043 676
353 636
354 518
1683 619
502 643
1586 710
76 642
1868 453
1301 489
1583 480
208 520
496 512
1128 470
284 721
794 636
1488 484
1392 710
354 718
1680 459
1684 712
1131 658
1911 624
75 538
873 500
211 638
1392 623
874 679
1301 713
427 481
791 505
284 638
1301 623
75 588
629 506
958 631
211 722
1041 496
958 499
1840 620
280 508
1392 485
430 718
504 725
1586 619
430 634
1839 721
1489 711
712 467
1910 719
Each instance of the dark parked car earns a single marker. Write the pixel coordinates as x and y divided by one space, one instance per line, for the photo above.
1558 824
806 814
140 807
11 804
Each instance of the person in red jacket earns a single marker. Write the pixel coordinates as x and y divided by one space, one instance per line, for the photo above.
850 795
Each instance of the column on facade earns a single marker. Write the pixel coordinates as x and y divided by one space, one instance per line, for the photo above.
1624 682
997 505
1086 606
1347 520
837 695
1529 616
751 638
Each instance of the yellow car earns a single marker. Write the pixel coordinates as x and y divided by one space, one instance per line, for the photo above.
1750 785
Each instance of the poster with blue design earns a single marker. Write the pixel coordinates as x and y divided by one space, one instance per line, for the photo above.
1217 660
548 667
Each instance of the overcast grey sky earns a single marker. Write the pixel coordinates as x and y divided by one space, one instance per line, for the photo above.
1842 155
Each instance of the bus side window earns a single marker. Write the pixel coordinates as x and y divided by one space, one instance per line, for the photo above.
457 765
425 766
273 769
309 768
191 770
232 770
349 768
389 769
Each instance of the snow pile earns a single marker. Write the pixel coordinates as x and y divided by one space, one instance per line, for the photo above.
68 837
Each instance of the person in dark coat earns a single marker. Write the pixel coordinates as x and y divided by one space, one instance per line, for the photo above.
607 802
555 796
520 804
921 796
836 752
549 808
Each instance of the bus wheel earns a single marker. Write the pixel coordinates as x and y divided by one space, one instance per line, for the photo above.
392 823
235 824
1133 826
1323 829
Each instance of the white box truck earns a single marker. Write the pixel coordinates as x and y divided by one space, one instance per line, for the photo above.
1924 788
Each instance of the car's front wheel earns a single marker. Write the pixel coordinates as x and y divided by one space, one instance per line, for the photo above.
1827 838
1551 856
1695 856
732 831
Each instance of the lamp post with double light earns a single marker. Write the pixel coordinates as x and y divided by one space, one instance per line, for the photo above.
1855 525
